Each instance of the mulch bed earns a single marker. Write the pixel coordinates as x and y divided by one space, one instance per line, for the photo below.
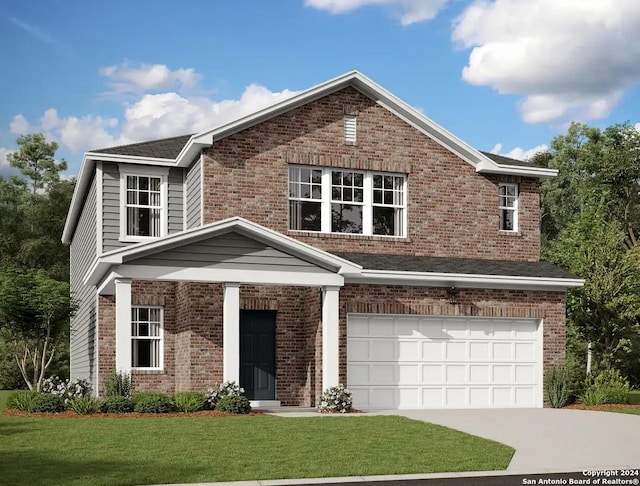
606 407
72 414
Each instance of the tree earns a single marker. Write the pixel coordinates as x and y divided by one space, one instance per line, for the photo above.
34 316
36 160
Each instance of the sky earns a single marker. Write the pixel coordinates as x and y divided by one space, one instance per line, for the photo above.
505 76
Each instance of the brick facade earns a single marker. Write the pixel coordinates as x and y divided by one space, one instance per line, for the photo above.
193 328
452 210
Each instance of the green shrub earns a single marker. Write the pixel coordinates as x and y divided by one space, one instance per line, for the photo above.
228 388
118 384
22 400
609 386
189 401
234 404
47 403
84 405
556 385
336 399
152 402
116 405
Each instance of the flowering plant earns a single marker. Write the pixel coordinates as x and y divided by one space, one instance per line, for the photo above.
66 389
336 399
228 388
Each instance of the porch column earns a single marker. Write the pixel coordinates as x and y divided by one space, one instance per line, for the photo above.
330 337
231 333
123 325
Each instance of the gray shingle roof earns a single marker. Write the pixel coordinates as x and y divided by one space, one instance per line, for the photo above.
502 160
469 266
166 148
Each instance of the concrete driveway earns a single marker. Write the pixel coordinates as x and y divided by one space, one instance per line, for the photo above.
548 440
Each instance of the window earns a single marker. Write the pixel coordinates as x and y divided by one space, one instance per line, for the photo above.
146 337
347 201
143 211
508 207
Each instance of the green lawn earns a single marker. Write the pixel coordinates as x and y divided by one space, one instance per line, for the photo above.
165 450
634 397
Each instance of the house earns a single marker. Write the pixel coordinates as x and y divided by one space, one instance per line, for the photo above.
339 236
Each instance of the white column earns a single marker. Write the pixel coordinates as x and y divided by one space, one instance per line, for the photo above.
330 337
231 333
123 324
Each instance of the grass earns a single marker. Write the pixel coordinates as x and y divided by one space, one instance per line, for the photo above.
78 451
634 397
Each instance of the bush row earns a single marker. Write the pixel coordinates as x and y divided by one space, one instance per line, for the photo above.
605 387
226 397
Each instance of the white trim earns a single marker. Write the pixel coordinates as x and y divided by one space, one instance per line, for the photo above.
128 159
139 171
184 200
540 173
231 332
433 279
540 363
201 189
96 344
99 208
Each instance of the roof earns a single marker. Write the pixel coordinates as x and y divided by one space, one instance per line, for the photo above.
468 266
502 160
166 148
163 152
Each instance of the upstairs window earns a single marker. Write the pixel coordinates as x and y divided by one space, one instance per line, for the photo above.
508 207
146 337
347 201
143 211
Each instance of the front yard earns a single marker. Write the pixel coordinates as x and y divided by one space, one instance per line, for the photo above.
93 450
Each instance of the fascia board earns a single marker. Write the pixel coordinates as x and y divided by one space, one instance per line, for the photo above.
462 280
537 172
82 185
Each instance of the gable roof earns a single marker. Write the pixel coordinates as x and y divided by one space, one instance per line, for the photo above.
163 152
507 161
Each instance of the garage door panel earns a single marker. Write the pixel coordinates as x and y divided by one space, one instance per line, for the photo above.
436 362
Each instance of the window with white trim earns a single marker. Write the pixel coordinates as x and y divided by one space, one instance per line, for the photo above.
146 337
143 213
508 207
347 201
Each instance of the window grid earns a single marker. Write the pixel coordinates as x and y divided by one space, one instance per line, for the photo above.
143 206
146 337
508 207
346 201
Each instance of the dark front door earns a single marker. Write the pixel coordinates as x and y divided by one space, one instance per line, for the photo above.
258 354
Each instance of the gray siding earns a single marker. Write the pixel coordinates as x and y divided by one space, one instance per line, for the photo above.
194 181
83 324
176 200
111 207
230 251
111 204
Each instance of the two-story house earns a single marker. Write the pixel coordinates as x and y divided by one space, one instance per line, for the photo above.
339 236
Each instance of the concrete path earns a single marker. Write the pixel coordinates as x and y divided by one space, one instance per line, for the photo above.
548 440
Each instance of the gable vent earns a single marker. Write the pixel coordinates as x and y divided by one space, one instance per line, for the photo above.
350 128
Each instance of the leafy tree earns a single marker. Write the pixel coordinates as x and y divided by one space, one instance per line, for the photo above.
34 315
36 160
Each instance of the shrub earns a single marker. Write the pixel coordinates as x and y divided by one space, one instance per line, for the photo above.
336 399
22 400
116 404
118 384
609 386
66 389
226 389
84 405
47 403
556 385
234 404
152 402
189 401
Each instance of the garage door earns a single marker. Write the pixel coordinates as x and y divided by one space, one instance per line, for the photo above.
443 362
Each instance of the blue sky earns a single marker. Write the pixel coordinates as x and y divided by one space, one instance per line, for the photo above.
503 75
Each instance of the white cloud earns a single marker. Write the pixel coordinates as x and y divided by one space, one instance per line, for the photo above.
4 163
20 126
149 77
519 153
36 32
408 11
569 59
637 126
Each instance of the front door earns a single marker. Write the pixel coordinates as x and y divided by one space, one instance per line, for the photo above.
258 354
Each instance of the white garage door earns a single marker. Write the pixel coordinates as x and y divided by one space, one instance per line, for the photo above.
443 362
